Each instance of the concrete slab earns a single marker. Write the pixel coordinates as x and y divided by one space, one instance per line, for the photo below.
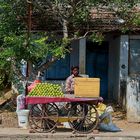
114 138
23 134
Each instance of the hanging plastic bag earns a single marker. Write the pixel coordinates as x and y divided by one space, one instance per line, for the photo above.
20 102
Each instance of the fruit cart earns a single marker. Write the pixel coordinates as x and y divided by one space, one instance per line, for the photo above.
47 112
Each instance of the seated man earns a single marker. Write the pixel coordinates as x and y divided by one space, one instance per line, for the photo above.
69 87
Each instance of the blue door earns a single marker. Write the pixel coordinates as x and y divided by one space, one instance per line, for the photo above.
97 64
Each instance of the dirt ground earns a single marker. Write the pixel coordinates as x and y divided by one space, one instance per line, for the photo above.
9 119
120 119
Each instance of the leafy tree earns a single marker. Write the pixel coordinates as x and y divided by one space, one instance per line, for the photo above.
18 46
65 20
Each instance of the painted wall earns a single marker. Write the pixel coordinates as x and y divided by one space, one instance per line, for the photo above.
78 54
74 55
124 51
114 66
61 69
118 68
82 55
133 99
133 80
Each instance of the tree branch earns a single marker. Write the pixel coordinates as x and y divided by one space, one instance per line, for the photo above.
46 65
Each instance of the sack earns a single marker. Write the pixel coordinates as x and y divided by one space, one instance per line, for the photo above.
106 123
105 118
109 127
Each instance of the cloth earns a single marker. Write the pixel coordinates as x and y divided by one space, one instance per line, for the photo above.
32 86
44 100
69 87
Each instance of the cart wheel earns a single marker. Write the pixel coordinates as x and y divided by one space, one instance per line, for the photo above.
43 117
83 118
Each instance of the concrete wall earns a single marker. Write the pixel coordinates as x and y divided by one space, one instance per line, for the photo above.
78 54
114 65
124 50
133 99
74 55
118 68
133 81
82 55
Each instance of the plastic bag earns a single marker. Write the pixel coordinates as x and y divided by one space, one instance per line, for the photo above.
109 109
20 102
101 108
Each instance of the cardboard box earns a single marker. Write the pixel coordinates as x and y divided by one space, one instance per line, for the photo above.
87 87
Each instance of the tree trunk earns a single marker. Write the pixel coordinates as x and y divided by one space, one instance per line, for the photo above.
65 28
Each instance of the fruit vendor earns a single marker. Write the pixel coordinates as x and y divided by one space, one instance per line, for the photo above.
69 87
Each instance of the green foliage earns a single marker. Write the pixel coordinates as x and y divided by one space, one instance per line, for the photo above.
1 81
136 19
97 37
43 46
10 30
76 13
9 19
124 29
15 46
4 80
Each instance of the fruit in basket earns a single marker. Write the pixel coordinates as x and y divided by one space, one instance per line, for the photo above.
47 89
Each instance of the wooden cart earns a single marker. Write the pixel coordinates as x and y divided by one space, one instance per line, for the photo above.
46 113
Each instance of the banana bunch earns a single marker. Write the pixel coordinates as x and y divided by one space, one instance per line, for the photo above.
47 89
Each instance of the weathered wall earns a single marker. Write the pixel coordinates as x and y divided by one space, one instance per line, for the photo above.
78 54
118 68
82 55
74 55
133 99
113 72
124 48
133 80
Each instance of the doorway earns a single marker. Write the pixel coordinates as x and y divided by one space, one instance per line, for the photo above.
97 64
